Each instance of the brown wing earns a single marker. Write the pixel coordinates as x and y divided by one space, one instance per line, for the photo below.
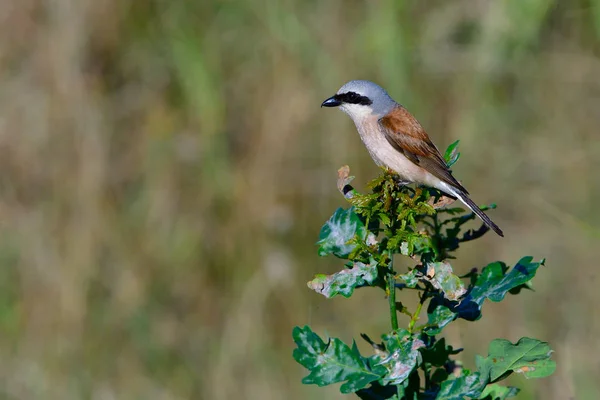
406 134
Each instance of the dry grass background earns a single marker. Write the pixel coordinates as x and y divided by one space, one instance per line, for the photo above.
165 169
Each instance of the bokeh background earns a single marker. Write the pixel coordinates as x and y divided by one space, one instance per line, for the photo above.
165 169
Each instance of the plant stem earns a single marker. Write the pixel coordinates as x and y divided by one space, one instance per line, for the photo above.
415 316
390 282
390 288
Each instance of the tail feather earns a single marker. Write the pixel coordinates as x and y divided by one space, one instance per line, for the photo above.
475 208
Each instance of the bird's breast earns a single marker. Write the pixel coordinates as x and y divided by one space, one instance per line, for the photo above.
385 155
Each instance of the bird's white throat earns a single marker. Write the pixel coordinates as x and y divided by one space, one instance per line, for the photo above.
356 111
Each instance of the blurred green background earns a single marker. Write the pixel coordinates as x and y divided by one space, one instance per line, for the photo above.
165 169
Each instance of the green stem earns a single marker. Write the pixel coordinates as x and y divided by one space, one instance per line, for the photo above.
391 292
400 308
421 327
390 281
415 316
391 289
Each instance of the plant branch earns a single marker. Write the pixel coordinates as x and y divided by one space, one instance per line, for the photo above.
390 289
415 316
401 219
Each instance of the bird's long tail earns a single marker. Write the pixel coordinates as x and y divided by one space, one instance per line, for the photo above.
475 208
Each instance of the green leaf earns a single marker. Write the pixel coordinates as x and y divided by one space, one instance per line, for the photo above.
494 281
379 392
438 316
439 375
498 392
438 354
410 279
457 388
333 362
530 357
385 219
345 281
452 155
403 355
441 277
336 234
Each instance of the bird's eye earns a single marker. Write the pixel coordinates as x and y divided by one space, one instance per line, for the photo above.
355 98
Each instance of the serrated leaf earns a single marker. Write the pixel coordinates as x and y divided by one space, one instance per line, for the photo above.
457 388
452 155
530 357
441 276
498 392
345 281
494 281
336 234
333 362
403 356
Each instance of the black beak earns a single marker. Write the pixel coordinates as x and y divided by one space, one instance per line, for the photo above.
332 102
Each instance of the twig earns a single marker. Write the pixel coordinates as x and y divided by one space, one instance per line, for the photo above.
415 316
390 288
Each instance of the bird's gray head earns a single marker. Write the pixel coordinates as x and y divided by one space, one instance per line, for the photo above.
360 99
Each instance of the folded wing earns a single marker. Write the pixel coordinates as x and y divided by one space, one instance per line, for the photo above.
406 135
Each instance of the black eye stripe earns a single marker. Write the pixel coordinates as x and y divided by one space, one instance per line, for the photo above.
353 98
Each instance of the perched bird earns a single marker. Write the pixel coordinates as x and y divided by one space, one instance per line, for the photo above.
396 140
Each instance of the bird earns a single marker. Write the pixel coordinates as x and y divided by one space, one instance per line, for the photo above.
397 141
